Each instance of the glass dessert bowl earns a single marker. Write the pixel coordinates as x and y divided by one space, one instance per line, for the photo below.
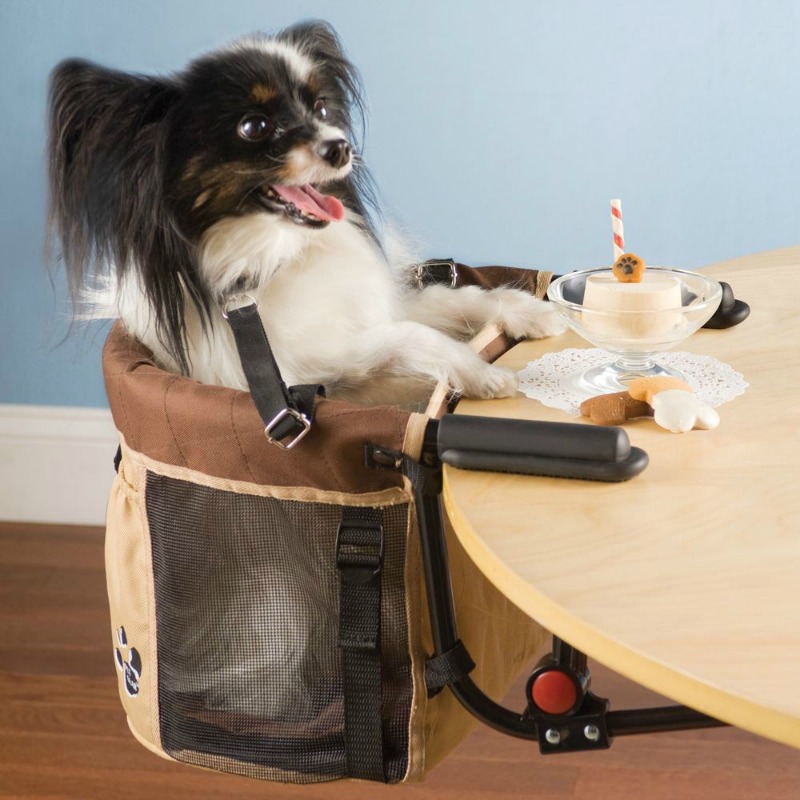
633 322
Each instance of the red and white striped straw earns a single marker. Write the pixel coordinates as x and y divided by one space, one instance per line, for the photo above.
616 226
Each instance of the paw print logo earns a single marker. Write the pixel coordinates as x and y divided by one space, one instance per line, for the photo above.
628 268
129 663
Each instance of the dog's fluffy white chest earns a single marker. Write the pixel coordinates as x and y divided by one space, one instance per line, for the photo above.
338 286
323 289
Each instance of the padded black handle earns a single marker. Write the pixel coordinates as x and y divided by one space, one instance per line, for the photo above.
557 449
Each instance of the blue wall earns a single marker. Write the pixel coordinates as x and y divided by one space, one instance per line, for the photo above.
498 131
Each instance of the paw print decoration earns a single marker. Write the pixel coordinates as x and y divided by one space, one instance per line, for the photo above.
129 663
628 268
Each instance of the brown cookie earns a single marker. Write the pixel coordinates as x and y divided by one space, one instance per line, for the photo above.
628 268
614 409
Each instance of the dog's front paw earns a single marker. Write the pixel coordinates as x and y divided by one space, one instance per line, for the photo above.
522 316
490 382
547 322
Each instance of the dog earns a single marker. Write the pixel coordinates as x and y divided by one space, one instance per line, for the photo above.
172 195
239 175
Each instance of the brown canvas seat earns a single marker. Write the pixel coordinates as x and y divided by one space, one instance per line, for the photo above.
226 593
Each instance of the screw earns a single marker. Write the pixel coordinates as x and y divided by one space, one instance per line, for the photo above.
552 736
592 733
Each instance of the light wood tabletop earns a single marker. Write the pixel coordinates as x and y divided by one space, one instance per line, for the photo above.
685 579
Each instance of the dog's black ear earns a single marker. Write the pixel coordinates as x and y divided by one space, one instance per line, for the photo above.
318 40
103 154
106 161
90 104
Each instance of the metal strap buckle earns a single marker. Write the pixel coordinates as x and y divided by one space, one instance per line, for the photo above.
426 268
294 437
237 301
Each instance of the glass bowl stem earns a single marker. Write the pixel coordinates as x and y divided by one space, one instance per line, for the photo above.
615 376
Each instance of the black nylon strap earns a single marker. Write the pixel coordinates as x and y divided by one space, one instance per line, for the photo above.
447 667
286 412
359 558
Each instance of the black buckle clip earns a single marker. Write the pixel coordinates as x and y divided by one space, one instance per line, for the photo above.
359 550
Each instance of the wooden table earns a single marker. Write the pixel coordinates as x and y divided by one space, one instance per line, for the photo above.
685 579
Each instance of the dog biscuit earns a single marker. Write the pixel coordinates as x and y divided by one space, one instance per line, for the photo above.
646 388
614 409
680 412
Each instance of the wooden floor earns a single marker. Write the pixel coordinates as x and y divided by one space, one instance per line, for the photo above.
63 734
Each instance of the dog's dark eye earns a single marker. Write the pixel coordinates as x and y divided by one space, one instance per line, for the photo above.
254 127
320 109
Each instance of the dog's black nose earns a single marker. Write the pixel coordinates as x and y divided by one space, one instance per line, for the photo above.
337 152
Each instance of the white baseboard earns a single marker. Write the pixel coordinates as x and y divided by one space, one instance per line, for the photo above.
56 464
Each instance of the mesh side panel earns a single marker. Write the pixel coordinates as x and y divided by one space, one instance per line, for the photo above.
247 604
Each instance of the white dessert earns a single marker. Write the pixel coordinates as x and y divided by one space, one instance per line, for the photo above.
647 309
679 411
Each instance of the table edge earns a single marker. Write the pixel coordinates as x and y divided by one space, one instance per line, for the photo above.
628 662
679 686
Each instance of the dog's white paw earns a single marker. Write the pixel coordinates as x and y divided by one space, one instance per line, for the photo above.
490 382
522 316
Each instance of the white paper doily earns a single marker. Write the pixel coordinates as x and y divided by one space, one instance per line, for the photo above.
551 378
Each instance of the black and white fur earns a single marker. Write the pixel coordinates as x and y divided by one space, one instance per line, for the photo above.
170 195
166 196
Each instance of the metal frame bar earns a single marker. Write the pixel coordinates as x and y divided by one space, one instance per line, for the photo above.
592 725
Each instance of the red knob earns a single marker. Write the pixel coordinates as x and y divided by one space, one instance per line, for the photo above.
554 692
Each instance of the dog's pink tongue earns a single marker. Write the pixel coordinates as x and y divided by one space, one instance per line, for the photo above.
308 199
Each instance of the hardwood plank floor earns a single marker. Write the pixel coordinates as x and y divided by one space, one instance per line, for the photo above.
63 734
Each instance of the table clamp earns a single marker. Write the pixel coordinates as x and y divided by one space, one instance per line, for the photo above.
568 717
561 712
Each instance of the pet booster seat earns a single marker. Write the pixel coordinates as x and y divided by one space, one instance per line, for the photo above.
285 607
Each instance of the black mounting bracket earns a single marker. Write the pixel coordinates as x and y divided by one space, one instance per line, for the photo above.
569 717
561 712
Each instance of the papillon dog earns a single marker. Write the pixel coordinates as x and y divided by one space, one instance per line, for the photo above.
239 175
172 195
